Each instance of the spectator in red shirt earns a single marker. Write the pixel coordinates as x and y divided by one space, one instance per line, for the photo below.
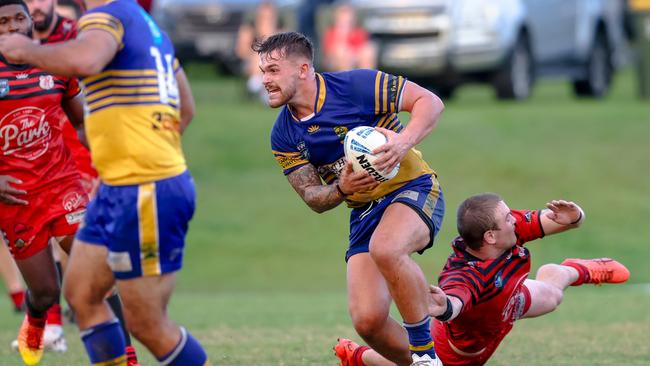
347 46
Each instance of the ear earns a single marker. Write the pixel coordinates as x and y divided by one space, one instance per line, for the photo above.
304 70
489 238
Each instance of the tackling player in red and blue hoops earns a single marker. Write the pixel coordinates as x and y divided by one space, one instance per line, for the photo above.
139 102
390 220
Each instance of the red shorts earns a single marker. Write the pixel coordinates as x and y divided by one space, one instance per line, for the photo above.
451 354
50 213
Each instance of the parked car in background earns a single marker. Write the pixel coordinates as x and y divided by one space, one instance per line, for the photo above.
507 43
207 29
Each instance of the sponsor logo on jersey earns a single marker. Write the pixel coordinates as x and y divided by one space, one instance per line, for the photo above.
4 88
22 76
120 261
528 216
498 281
302 148
72 201
335 168
341 131
75 217
313 128
46 82
411 195
24 133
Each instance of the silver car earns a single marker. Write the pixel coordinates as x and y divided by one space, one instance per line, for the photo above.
508 43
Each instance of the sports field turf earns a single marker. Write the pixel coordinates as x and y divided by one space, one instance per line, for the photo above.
264 277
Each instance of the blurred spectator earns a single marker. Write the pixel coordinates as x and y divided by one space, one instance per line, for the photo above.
71 9
146 4
346 45
265 22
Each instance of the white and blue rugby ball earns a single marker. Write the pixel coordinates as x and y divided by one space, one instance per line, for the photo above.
358 146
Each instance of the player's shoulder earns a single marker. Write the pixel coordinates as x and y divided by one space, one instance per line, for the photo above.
345 78
119 10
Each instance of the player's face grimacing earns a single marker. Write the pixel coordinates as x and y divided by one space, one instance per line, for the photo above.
280 77
505 234
42 12
14 19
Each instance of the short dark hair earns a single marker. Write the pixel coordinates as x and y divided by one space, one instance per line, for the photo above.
14 2
77 5
475 216
288 43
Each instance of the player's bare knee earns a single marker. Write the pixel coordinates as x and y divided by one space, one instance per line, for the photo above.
369 324
384 254
547 270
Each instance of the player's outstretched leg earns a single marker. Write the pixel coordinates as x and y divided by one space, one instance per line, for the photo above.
547 289
597 271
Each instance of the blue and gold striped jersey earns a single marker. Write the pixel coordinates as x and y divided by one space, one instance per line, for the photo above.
345 100
133 110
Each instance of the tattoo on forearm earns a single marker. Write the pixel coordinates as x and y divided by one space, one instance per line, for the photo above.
318 196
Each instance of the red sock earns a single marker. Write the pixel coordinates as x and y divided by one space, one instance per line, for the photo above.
583 274
356 355
18 298
54 315
36 322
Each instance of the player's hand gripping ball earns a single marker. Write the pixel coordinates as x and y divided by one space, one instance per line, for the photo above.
358 146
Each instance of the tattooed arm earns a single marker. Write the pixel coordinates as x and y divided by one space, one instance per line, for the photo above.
323 197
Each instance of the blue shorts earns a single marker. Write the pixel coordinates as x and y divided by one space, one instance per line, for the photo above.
143 226
422 194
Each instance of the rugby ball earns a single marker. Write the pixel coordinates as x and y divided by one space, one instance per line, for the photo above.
358 146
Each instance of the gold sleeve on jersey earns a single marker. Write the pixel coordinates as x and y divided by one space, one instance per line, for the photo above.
102 21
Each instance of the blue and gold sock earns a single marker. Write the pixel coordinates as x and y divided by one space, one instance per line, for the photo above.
188 352
420 341
105 344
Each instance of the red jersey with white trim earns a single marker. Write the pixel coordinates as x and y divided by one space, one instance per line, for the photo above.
31 123
491 290
65 30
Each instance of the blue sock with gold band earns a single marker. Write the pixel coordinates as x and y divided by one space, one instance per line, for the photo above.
188 352
420 342
105 344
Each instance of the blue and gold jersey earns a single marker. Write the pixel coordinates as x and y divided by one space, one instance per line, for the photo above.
133 110
345 100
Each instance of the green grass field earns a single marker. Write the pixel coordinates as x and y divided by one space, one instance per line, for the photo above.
264 277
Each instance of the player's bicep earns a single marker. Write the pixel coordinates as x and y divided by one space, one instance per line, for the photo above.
303 178
93 50
412 93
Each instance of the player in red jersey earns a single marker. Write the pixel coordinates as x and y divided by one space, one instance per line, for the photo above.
41 196
50 27
484 287
485 280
